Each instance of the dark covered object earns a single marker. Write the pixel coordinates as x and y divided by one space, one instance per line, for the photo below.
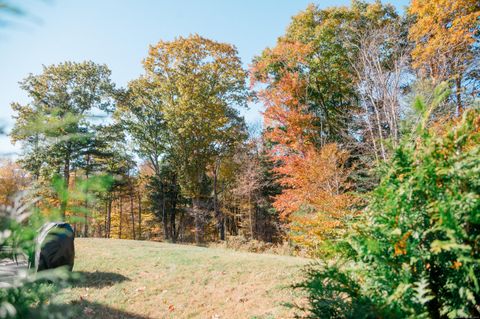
55 246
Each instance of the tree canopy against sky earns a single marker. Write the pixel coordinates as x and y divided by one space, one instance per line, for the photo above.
62 26
309 86
55 127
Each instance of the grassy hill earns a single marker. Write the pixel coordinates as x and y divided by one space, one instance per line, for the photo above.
138 279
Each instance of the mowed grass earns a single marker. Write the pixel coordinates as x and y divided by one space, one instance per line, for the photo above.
139 279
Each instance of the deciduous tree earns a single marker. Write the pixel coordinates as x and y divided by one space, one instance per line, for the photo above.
446 34
199 81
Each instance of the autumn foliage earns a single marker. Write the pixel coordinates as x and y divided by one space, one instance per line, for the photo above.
443 33
446 34
314 177
314 198
13 180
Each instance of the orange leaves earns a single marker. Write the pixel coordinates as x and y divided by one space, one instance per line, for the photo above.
13 180
314 178
313 200
288 55
456 265
286 115
401 246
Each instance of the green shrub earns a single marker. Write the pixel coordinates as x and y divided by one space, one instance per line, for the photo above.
23 293
415 251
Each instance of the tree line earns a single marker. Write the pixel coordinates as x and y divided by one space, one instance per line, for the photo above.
177 160
166 148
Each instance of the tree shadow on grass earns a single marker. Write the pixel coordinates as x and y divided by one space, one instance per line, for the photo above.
85 309
96 279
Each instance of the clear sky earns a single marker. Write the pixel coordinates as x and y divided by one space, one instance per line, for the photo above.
118 32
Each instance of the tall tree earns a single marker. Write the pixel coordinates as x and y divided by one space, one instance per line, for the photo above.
56 125
310 90
199 81
249 181
381 66
105 154
312 63
140 112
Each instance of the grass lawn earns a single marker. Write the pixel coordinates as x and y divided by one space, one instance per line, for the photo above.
139 279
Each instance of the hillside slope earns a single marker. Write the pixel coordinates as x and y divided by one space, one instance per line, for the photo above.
138 279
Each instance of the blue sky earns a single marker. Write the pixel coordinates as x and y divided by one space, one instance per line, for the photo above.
118 32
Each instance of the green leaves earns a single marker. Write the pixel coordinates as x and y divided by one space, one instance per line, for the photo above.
422 293
440 94
416 246
57 128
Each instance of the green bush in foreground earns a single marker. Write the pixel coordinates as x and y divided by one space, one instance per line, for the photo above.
22 292
415 252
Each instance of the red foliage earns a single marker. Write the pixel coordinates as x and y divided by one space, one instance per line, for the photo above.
313 178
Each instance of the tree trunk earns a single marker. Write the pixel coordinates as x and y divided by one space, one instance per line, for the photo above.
120 211
250 211
132 214
85 222
458 84
179 231
173 207
139 216
109 216
173 212
164 215
66 180
218 213
198 217
379 128
106 213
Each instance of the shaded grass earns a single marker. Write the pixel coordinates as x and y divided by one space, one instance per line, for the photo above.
137 279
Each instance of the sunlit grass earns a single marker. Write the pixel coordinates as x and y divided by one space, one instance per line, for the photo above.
134 279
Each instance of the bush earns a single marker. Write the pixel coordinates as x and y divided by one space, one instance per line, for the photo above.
415 252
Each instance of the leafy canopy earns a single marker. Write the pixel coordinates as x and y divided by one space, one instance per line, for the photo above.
198 83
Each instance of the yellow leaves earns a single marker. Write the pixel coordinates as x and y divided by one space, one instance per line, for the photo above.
13 180
314 201
401 246
443 32
309 230
198 82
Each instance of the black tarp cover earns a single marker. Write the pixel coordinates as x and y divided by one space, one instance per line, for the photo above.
55 246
